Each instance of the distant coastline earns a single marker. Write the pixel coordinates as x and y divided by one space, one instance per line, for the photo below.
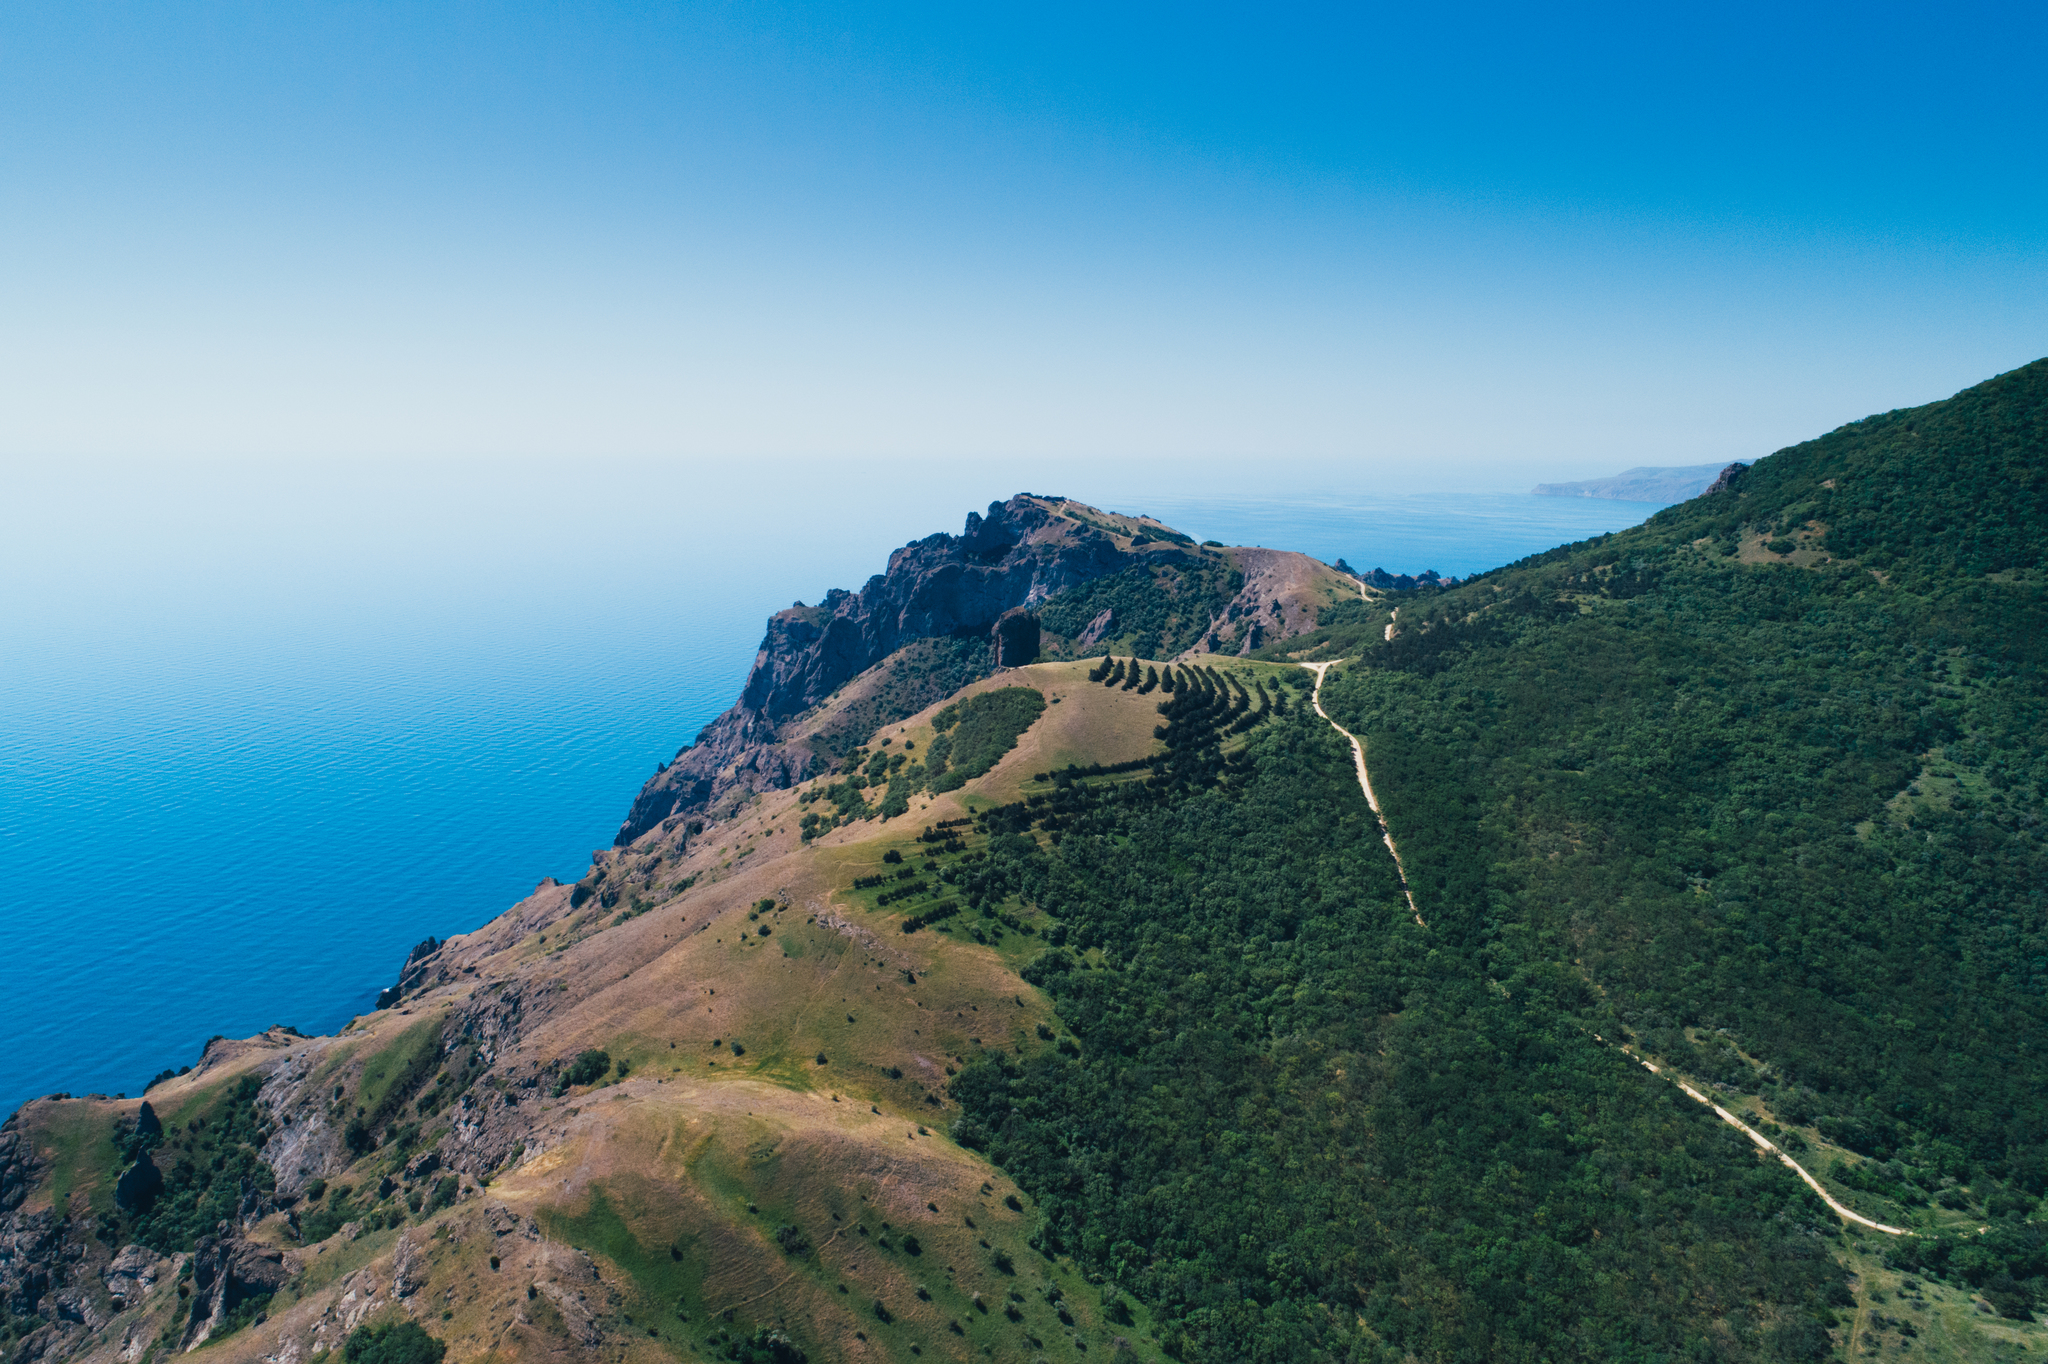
1643 484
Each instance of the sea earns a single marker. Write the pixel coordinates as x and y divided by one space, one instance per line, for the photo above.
266 725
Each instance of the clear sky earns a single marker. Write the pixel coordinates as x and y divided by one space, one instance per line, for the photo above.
1436 245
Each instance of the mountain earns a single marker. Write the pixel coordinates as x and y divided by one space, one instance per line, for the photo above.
1643 484
1635 952
935 621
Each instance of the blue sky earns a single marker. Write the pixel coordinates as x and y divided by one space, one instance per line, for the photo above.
1426 246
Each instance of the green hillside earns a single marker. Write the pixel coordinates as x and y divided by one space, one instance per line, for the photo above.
1757 787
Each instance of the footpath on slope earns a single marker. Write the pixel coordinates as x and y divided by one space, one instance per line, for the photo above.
1763 1143
1365 785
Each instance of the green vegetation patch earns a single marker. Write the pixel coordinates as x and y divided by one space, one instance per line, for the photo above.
394 1073
656 1250
973 735
1157 609
1288 1117
83 1145
393 1342
191 1174
910 679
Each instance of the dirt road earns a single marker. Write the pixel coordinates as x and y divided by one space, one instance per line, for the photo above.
1763 1143
1365 785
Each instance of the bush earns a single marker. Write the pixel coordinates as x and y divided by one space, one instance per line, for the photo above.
792 1240
588 1068
2009 1297
401 1342
445 1191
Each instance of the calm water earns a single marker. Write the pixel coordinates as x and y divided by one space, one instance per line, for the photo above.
261 731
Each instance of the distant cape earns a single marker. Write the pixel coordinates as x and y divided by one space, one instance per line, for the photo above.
1640 485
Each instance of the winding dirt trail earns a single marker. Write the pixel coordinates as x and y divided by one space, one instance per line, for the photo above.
1763 1143
1365 785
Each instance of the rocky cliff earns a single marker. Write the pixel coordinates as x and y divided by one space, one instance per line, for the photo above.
1002 564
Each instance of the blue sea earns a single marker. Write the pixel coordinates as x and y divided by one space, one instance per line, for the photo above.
263 727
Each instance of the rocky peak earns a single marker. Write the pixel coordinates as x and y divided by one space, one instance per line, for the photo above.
1004 561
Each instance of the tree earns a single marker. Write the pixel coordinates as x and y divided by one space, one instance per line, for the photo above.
402 1342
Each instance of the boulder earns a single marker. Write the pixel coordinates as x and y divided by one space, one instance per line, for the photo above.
131 1275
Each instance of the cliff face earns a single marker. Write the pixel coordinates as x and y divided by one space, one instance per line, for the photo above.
1016 556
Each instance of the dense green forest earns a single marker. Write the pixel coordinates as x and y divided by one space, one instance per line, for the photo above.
1301 1126
1758 785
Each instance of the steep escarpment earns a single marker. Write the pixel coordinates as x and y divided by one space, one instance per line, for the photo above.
971 601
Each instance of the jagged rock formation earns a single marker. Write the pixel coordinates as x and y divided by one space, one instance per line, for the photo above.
1010 560
986 582
418 965
227 1272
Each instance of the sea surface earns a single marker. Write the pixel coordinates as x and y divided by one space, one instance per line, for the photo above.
264 728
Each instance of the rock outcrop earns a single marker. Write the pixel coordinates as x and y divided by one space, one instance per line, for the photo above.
131 1275
419 966
1008 561
227 1272
1727 479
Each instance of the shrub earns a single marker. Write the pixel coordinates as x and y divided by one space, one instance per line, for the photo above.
792 1240
2009 1297
765 1346
404 1342
588 1068
445 1190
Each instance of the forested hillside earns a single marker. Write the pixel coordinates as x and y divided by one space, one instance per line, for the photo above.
1757 786
1768 775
